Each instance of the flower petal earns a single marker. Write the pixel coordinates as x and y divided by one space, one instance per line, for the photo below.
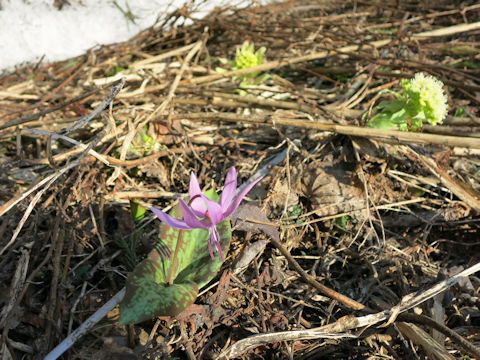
194 191
198 206
190 218
215 212
228 189
194 188
238 199
170 221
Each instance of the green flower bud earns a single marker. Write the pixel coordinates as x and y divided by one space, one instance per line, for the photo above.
425 98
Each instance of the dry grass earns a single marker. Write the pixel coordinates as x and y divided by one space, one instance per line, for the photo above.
369 220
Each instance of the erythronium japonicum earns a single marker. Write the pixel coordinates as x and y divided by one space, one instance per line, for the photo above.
201 212
167 281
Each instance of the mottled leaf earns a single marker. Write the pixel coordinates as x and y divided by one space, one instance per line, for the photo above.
148 293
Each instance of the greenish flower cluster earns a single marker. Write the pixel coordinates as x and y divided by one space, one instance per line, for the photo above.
246 57
422 99
144 144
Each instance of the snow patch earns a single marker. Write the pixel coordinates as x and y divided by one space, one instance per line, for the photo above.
30 29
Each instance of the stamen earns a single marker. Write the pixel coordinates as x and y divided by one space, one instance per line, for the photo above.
215 237
210 250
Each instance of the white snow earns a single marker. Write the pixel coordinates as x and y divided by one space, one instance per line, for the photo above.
30 29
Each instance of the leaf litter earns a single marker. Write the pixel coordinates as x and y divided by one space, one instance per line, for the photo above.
338 255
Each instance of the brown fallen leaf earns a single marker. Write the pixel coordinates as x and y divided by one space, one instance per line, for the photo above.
240 220
112 351
330 187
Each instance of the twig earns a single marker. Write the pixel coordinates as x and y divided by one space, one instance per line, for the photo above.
257 340
262 102
458 341
85 119
346 49
52 178
35 116
417 335
384 135
312 281
53 136
447 31
462 190
67 154
145 194
86 326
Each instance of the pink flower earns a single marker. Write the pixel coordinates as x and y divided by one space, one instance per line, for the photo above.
201 212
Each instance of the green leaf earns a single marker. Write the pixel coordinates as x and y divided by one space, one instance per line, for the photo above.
225 61
115 70
399 116
397 95
459 112
382 121
220 70
390 106
148 293
69 64
137 211
461 50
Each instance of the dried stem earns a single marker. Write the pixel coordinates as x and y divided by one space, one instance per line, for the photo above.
311 280
458 341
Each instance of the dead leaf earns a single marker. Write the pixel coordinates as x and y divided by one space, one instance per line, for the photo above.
157 170
253 212
112 351
169 133
283 196
330 188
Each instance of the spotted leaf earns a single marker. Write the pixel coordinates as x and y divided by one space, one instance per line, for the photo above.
148 293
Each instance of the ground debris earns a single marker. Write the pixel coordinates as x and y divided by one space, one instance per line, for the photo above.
377 218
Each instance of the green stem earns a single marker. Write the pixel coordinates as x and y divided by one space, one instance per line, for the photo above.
128 14
174 260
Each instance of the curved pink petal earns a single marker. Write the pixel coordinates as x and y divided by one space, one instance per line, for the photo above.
228 189
194 192
194 188
215 212
198 206
238 199
170 221
190 218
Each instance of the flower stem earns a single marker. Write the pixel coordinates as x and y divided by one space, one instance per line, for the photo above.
174 260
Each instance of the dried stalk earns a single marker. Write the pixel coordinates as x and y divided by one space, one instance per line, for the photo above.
377 134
